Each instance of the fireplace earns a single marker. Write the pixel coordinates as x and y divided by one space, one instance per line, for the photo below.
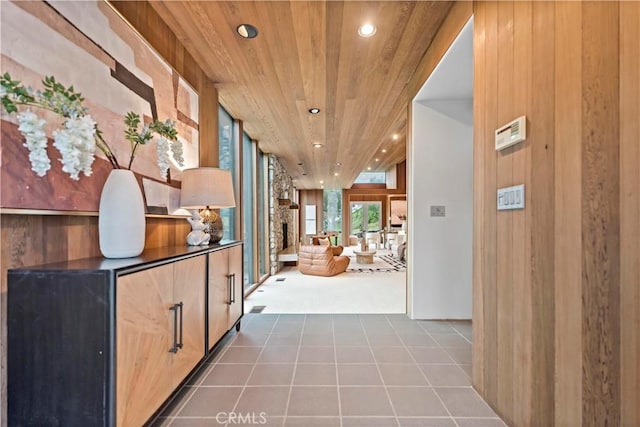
285 235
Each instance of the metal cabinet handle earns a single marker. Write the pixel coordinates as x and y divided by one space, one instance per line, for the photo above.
180 344
233 289
174 308
231 278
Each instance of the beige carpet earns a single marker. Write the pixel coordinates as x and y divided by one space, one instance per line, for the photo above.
348 292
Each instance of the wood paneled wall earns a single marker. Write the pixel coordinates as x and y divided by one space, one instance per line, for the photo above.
629 121
556 285
310 197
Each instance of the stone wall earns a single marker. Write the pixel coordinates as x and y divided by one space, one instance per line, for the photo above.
280 186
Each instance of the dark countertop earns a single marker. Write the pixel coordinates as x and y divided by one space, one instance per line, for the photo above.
147 258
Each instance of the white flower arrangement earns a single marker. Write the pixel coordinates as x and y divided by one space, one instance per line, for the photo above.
76 143
32 128
79 136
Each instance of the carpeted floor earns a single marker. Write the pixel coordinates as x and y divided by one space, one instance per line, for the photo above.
351 292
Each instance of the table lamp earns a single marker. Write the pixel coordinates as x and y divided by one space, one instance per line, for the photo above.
206 188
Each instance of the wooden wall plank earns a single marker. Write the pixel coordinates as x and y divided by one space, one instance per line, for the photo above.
541 189
208 123
568 214
311 197
504 219
521 249
490 255
630 212
479 199
601 214
82 237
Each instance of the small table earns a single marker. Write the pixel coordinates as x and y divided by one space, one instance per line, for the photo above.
364 257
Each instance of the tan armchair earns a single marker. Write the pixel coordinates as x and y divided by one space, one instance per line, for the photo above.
318 260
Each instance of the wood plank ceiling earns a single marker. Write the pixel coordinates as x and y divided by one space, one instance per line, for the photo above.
309 54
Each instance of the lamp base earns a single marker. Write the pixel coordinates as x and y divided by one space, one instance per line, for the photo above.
212 225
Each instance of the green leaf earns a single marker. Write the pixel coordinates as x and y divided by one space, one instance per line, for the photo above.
9 105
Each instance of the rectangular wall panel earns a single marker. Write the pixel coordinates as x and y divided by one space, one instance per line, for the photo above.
629 213
568 214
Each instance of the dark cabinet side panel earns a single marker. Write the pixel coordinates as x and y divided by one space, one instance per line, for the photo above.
59 335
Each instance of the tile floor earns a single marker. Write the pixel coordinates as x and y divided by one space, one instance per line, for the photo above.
335 370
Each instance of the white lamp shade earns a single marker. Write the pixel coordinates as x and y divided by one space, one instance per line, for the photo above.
202 187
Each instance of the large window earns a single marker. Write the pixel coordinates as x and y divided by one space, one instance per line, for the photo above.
371 178
365 216
310 226
248 208
332 212
227 159
263 217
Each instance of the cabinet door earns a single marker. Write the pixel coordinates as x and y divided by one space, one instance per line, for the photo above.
144 325
189 286
219 294
236 272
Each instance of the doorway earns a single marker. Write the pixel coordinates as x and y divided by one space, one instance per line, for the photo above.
440 162
365 216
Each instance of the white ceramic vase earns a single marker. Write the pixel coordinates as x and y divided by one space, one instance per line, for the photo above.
121 219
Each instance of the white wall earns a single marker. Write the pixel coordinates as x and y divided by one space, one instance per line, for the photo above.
440 163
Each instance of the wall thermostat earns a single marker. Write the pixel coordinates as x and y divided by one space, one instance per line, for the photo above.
511 133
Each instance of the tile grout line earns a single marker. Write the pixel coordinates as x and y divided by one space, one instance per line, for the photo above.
295 368
458 364
195 387
253 368
411 354
425 376
384 386
460 333
335 358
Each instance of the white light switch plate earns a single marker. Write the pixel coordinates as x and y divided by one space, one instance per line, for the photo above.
511 197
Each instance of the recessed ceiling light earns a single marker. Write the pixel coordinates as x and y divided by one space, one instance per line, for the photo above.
317 145
367 30
338 164
321 182
384 150
300 163
247 31
336 174
304 174
395 136
369 168
314 110
322 187
377 160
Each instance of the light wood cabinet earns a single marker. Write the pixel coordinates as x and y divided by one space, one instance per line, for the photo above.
225 306
144 333
160 330
105 342
192 318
